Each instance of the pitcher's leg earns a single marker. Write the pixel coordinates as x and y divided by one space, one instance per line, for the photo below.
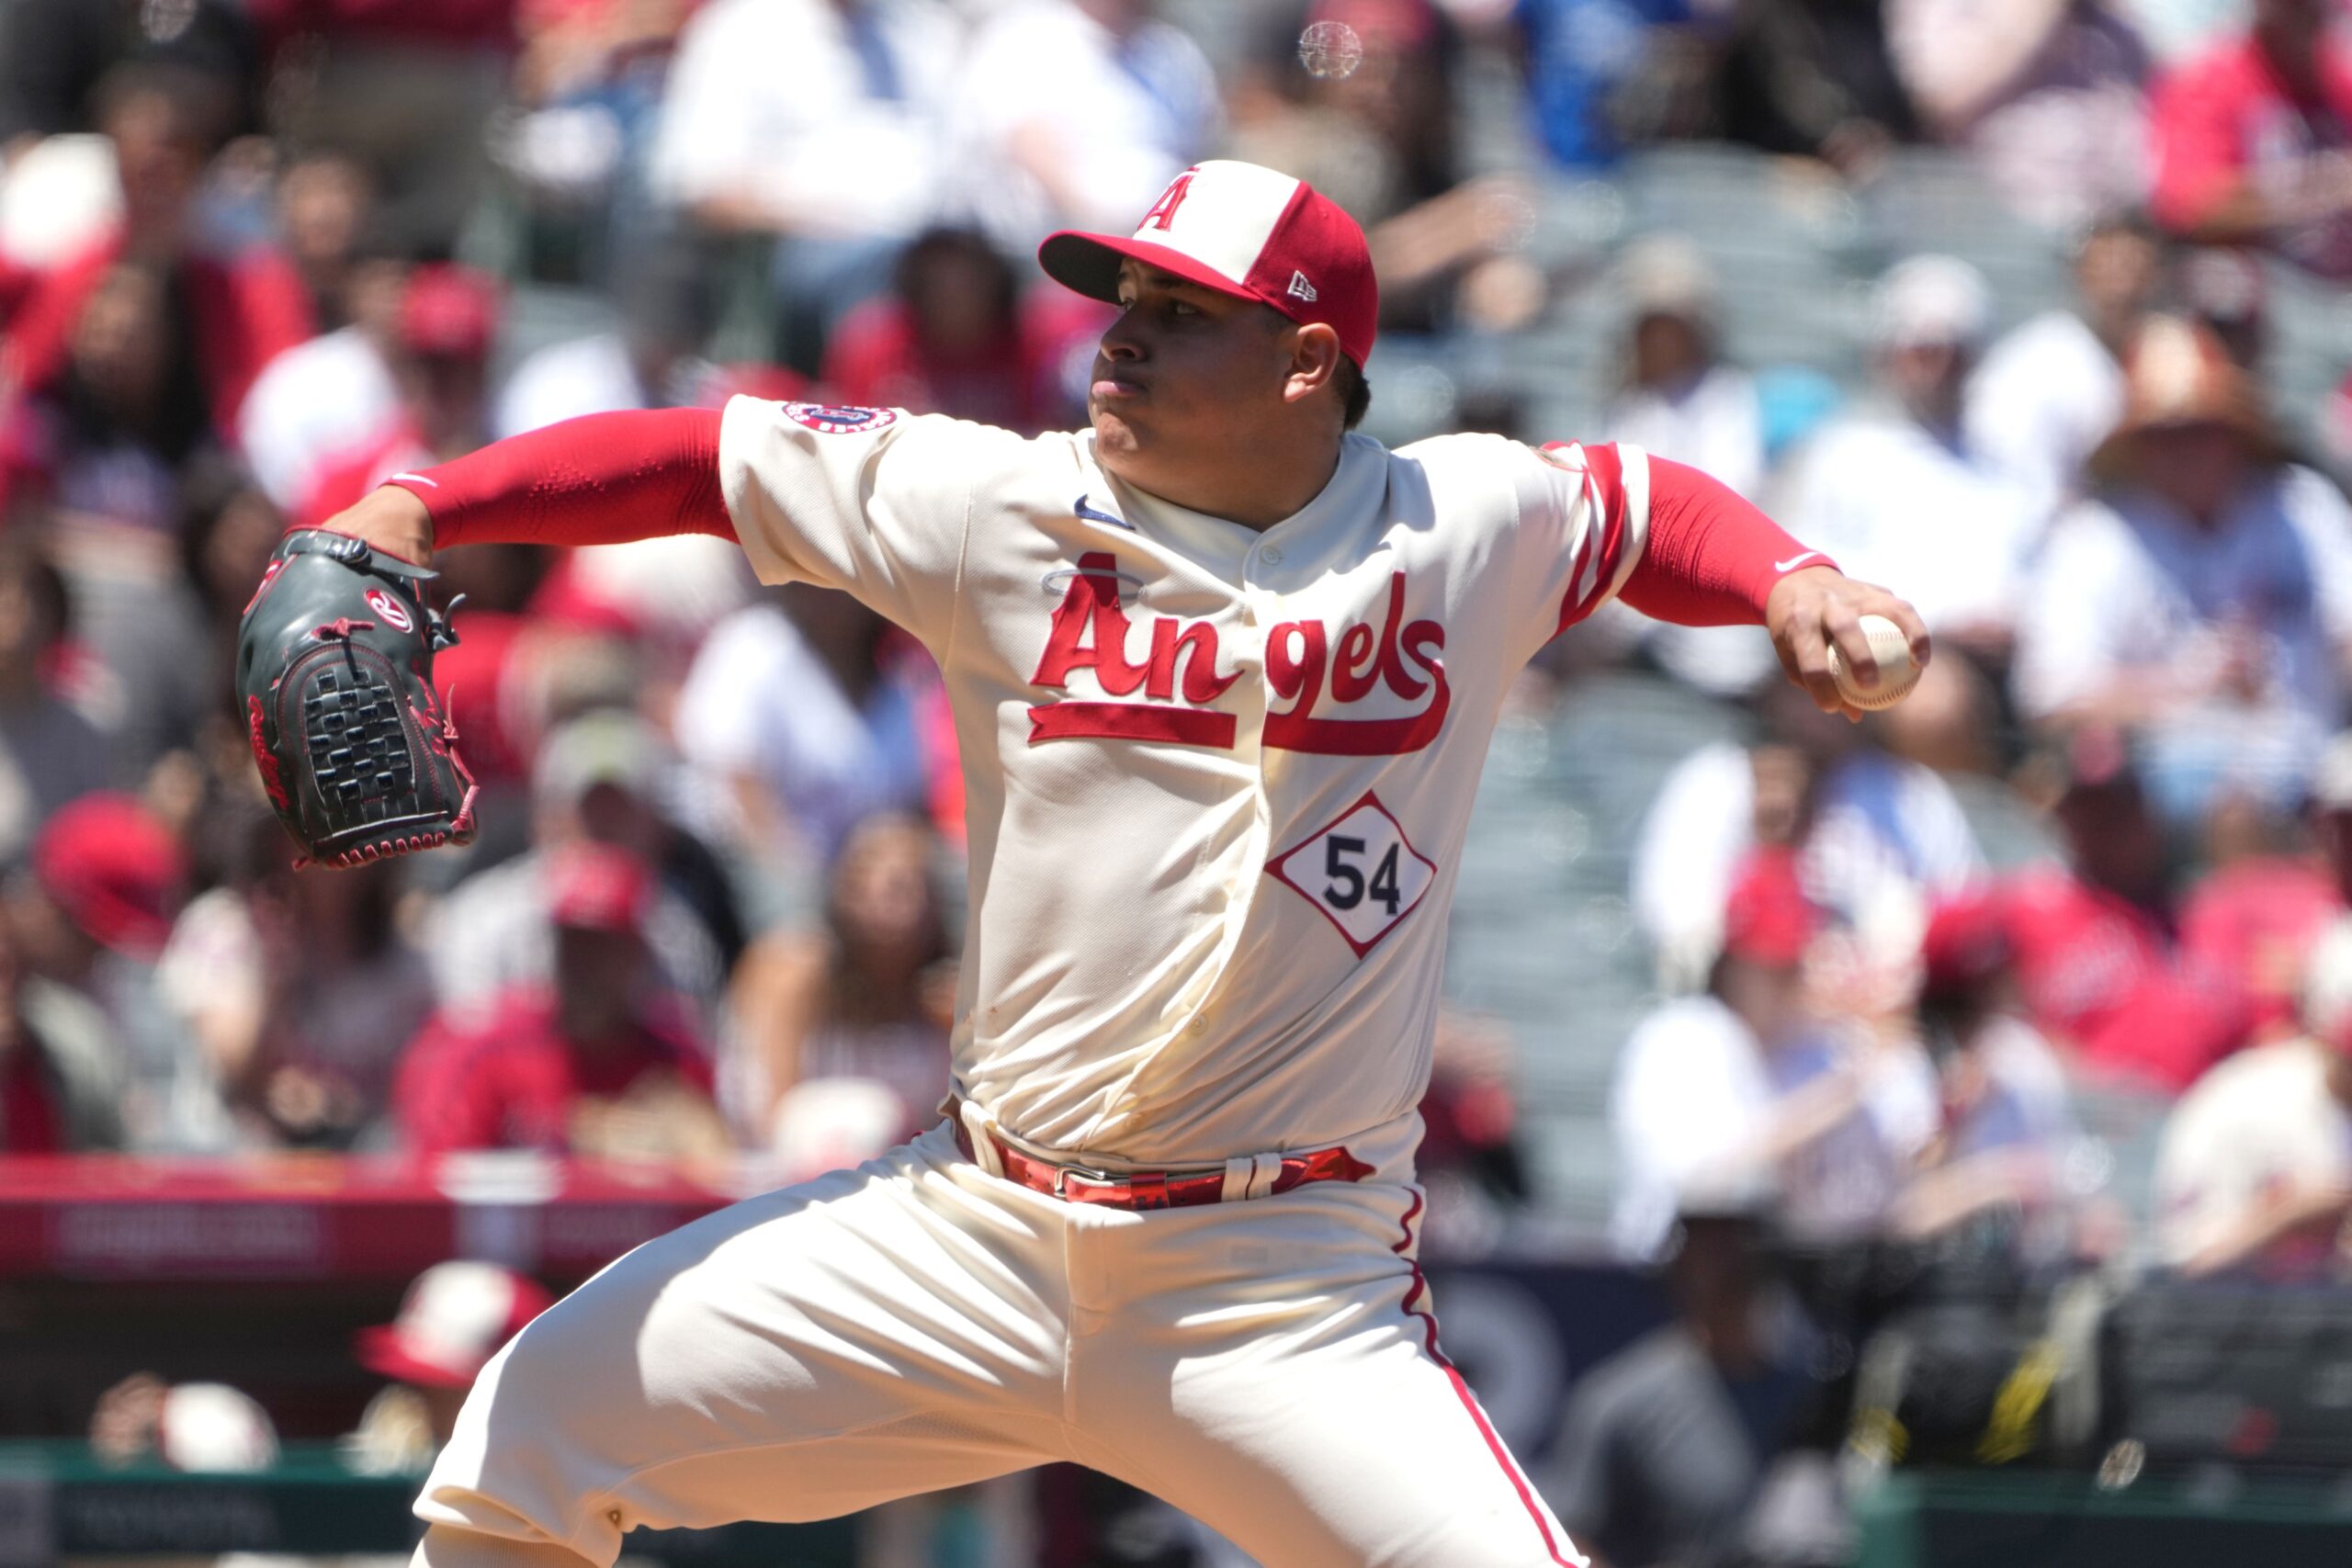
448 1546
1306 1414
873 1333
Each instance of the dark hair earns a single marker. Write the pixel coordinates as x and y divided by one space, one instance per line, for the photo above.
948 242
44 586
1356 392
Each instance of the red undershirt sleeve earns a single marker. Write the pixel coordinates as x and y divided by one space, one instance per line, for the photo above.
1711 558
602 479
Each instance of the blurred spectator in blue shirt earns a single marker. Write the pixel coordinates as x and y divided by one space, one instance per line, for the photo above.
1582 57
2204 595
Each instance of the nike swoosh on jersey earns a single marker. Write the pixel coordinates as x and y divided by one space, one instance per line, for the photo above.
1082 509
1794 561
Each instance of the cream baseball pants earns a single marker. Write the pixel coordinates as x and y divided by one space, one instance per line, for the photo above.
1269 1365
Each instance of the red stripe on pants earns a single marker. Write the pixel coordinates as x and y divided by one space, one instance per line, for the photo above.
1469 1400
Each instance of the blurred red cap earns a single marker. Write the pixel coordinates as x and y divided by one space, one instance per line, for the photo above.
113 869
450 312
1768 919
1966 943
596 887
453 1319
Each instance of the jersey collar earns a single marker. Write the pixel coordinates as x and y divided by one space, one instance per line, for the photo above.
1349 502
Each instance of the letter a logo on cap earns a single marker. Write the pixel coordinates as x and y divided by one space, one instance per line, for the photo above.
1163 211
1243 230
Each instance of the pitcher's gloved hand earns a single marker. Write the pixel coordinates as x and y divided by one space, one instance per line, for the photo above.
335 673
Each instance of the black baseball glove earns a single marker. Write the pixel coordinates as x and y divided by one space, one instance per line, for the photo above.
334 665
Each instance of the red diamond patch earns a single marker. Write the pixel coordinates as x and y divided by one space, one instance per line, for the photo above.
1360 870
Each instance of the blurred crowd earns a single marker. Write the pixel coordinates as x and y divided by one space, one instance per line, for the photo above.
257 254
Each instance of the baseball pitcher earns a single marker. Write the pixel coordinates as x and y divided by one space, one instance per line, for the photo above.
1223 674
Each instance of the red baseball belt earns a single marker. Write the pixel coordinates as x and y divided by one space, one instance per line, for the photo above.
1154 1188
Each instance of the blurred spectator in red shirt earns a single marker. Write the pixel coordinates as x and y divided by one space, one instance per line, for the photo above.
597 780
453 1318
227 315
2097 953
951 337
2264 917
866 1002
2254 140
2259 915
589 1064
448 317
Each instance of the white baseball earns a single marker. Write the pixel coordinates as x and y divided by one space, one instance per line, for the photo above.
1896 673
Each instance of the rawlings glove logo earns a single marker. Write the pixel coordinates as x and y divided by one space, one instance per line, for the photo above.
395 613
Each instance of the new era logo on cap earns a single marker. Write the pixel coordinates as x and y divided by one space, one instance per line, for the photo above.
1245 231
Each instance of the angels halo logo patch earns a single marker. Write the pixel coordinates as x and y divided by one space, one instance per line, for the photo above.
395 613
839 419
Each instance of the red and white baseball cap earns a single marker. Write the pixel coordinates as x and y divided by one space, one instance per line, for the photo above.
452 1321
1244 231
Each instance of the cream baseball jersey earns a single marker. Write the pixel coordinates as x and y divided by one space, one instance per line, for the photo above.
1216 779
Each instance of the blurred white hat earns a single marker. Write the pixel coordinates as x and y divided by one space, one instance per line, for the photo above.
1928 300
453 1318
2332 780
1666 274
209 1425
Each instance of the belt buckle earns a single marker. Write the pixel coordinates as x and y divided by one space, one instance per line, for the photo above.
1093 1176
